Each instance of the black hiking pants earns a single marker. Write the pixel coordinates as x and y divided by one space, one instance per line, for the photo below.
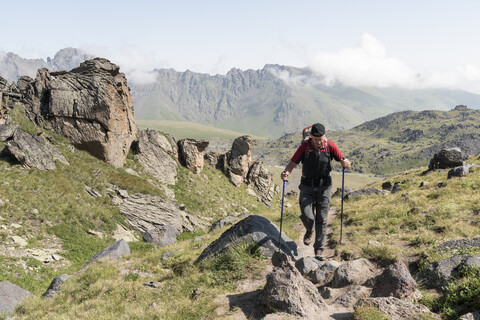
314 206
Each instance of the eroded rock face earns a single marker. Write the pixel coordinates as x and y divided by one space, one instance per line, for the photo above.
240 159
157 152
92 107
191 154
260 180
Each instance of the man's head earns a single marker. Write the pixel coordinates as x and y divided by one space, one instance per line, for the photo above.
318 130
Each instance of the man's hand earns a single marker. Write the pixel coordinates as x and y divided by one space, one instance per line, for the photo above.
345 163
284 175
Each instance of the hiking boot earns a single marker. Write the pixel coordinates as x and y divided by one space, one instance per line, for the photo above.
319 254
308 238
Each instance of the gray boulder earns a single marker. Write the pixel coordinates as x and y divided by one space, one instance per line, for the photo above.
55 286
256 229
92 107
459 171
113 252
34 151
395 281
7 131
260 179
316 271
157 153
438 274
287 291
447 158
191 154
145 212
240 159
11 296
364 192
350 298
161 236
355 272
398 309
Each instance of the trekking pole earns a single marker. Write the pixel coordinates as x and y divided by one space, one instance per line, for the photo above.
281 219
341 212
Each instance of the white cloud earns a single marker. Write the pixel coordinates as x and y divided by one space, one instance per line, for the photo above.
368 64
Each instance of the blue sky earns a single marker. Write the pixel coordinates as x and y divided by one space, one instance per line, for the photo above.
404 43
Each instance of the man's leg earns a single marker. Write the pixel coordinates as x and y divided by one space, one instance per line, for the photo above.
307 216
322 207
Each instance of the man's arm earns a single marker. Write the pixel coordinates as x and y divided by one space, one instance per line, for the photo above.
288 170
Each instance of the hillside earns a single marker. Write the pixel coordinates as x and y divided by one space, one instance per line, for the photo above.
75 225
392 143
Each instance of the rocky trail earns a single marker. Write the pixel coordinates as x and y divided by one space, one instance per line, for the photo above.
245 303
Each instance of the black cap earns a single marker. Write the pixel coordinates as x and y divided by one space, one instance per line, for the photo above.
318 130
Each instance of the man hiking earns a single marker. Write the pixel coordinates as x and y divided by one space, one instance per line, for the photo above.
315 153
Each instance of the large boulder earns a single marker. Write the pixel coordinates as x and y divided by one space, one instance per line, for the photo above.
113 252
11 296
260 179
157 153
438 274
286 290
459 171
191 154
355 272
447 158
92 107
395 281
161 236
240 159
255 229
145 212
33 151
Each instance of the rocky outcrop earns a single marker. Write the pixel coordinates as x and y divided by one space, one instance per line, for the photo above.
11 296
447 158
191 154
240 159
146 212
255 229
92 107
158 153
398 309
260 180
286 290
29 150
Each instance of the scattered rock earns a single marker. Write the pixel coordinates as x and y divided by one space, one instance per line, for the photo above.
471 316
287 291
387 185
11 296
459 171
239 159
20 241
228 220
161 235
316 271
356 272
395 281
364 192
260 179
55 286
437 274
114 251
152 284
256 229
350 298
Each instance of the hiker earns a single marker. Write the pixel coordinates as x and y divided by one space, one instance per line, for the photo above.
315 153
